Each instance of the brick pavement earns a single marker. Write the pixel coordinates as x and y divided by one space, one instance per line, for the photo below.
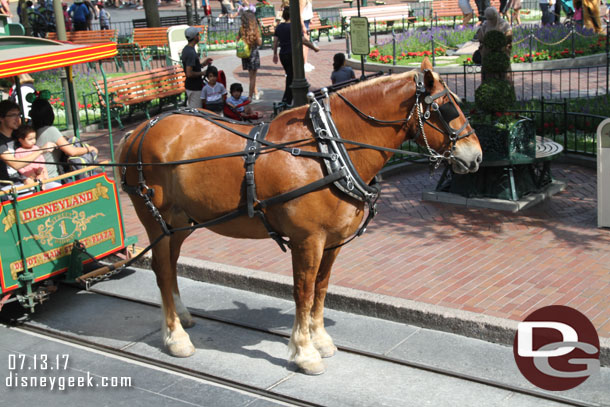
494 263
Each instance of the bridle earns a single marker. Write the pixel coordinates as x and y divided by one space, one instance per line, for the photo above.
446 113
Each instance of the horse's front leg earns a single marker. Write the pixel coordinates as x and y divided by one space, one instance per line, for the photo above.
321 339
306 258
176 241
175 338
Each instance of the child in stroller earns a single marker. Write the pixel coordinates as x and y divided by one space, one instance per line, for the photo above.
237 106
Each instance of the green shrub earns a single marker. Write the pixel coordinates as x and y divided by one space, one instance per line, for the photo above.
495 95
496 62
495 40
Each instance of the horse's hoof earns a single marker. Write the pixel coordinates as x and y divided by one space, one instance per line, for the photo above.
327 350
181 350
313 369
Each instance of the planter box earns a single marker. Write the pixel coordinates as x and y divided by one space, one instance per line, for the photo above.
514 144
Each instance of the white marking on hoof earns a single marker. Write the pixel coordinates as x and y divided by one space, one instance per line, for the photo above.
312 369
177 342
179 345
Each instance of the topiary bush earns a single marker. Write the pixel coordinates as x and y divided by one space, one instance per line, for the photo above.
496 62
496 92
495 95
495 40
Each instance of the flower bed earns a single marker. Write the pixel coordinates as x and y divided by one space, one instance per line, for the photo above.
549 43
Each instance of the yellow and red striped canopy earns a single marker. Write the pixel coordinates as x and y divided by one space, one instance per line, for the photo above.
20 55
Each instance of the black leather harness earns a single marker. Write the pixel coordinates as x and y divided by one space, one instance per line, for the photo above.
256 144
340 169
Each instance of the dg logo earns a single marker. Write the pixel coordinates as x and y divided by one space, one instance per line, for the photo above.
556 348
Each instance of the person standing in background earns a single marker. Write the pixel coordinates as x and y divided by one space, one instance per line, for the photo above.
466 11
192 66
79 12
250 34
226 9
306 16
104 17
92 14
515 5
67 18
281 38
481 6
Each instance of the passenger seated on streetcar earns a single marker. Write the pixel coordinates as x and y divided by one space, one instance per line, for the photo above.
42 116
10 119
36 171
213 94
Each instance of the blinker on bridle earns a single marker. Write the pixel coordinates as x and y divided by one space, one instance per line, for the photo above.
446 113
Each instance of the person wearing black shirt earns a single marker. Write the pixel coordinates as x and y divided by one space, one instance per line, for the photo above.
193 68
282 39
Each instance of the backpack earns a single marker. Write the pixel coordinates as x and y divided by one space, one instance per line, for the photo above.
243 49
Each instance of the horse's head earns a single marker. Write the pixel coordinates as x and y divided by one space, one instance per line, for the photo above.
441 124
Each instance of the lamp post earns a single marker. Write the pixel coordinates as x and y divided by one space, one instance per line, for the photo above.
189 11
299 86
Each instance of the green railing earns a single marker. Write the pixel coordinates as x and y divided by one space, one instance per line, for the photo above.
576 131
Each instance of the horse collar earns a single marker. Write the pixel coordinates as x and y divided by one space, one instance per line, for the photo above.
326 135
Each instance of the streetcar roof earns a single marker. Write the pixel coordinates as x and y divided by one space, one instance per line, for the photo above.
20 54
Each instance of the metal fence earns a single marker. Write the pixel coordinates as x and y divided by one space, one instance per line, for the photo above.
583 82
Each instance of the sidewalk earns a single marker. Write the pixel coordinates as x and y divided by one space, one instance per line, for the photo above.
484 262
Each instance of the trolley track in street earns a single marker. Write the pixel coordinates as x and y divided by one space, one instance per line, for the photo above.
278 333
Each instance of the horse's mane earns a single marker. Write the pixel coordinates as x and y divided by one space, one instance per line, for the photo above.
379 81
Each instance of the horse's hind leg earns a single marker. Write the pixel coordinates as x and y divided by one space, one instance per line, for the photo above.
321 339
306 258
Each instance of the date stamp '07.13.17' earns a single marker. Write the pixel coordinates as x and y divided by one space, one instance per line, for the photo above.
53 372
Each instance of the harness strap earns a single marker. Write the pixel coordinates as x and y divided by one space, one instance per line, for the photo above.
252 146
295 193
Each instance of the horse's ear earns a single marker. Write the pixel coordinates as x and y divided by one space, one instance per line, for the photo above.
426 65
429 79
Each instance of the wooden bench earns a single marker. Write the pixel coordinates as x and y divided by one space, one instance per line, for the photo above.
166 21
138 90
145 41
87 37
378 14
267 26
319 25
450 9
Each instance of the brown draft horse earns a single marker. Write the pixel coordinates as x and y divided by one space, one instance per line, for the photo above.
322 219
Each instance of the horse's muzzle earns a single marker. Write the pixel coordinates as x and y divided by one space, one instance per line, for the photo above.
463 165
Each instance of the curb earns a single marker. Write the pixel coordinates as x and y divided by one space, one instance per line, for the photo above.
465 323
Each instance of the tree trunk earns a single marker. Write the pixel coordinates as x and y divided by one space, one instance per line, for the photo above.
152 13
